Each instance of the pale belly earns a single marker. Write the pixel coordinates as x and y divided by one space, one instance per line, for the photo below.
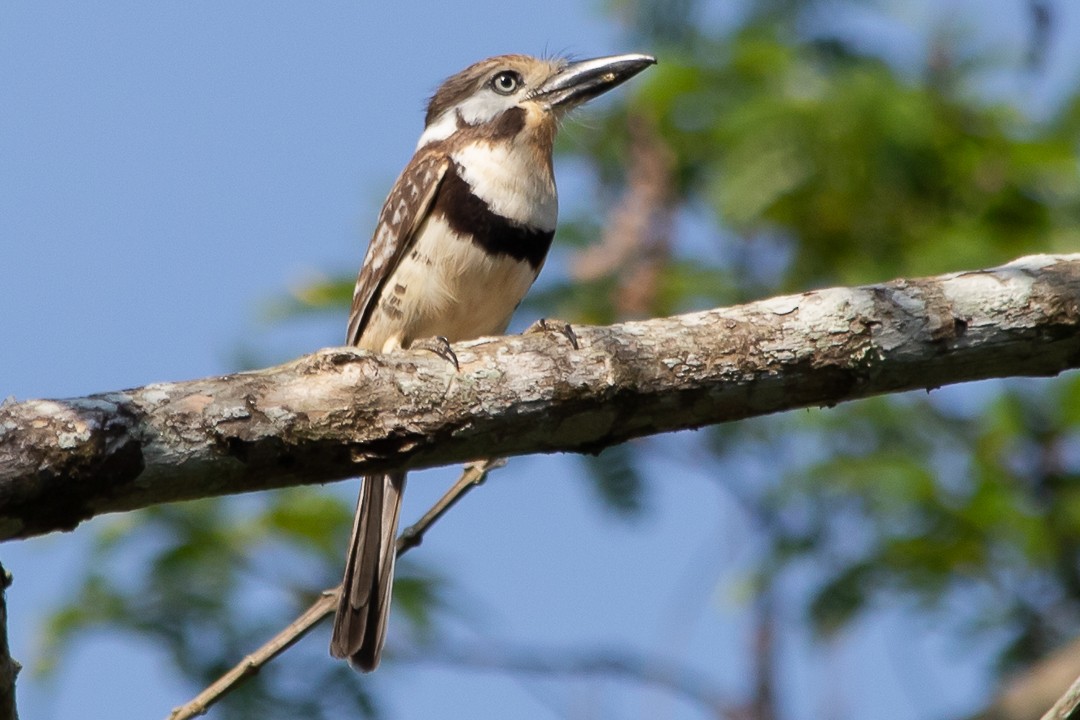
446 286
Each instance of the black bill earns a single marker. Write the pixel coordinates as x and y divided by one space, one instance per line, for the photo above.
581 81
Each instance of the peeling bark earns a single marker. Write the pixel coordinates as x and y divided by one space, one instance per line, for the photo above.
342 412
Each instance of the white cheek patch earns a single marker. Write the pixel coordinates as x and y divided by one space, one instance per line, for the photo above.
484 106
443 127
504 176
480 108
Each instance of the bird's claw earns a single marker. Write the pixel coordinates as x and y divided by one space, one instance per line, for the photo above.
549 325
441 347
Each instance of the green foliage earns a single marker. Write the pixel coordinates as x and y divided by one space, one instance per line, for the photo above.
615 477
823 164
314 296
195 578
984 504
865 174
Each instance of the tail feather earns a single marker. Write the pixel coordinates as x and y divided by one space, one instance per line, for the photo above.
361 620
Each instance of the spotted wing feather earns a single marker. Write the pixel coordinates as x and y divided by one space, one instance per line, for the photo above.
402 215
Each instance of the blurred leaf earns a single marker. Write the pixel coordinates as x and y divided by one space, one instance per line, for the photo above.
842 597
615 478
196 578
303 516
313 296
418 596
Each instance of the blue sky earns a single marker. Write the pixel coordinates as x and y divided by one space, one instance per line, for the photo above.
168 167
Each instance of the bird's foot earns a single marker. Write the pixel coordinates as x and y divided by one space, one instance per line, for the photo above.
440 346
550 325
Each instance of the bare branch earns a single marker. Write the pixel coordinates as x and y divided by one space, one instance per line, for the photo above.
677 679
636 242
9 668
472 476
1068 705
1028 693
254 662
342 412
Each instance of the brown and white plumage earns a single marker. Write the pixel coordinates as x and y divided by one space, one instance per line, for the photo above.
461 238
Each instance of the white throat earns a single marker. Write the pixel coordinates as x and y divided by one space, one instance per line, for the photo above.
511 178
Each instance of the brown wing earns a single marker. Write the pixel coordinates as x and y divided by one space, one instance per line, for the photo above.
402 213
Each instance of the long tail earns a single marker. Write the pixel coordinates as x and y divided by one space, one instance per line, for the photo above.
360 623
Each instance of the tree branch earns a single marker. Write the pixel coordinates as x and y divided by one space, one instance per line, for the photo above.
677 679
1028 693
343 412
9 667
1068 705
472 476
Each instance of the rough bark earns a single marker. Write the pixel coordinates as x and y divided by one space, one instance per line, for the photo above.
341 412
9 668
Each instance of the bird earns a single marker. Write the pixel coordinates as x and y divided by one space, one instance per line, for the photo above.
460 239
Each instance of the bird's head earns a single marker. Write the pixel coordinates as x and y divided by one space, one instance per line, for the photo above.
502 95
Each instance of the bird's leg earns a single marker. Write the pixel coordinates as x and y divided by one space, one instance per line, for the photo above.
549 325
440 346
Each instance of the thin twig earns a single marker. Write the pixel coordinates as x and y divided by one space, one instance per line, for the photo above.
474 474
1068 705
9 668
255 661
677 679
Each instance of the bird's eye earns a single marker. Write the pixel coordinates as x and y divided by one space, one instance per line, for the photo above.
506 82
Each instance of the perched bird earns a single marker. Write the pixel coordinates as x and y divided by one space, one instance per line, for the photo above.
461 238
